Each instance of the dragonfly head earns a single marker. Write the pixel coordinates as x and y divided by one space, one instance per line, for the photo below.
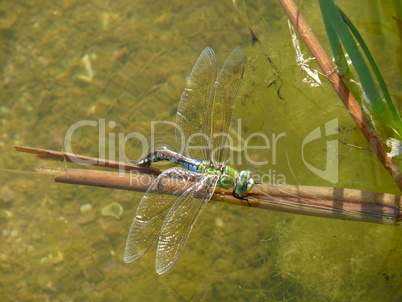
243 183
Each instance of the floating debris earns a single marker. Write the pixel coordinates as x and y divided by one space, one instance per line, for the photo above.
114 210
396 147
86 62
107 19
312 78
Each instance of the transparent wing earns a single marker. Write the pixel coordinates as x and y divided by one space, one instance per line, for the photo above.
223 98
171 187
206 106
193 113
180 221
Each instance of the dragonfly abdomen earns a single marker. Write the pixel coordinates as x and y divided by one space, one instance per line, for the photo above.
174 157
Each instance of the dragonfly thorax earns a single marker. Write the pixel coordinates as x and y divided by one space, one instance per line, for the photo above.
230 178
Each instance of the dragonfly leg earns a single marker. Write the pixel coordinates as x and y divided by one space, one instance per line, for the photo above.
242 197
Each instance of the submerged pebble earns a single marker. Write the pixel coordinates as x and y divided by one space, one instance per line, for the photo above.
54 257
5 215
93 275
85 209
6 194
113 209
86 214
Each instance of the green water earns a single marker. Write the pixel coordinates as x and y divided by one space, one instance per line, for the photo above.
140 54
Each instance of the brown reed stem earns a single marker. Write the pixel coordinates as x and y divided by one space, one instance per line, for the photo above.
336 203
315 201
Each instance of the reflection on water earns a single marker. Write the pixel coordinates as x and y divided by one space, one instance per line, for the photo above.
126 62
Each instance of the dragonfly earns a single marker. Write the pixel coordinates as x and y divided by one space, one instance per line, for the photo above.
174 201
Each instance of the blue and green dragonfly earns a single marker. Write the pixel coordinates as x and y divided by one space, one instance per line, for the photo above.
173 203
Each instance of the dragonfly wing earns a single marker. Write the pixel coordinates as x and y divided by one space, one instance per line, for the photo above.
194 111
180 221
223 97
153 209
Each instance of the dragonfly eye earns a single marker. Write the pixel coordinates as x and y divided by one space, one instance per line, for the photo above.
244 182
